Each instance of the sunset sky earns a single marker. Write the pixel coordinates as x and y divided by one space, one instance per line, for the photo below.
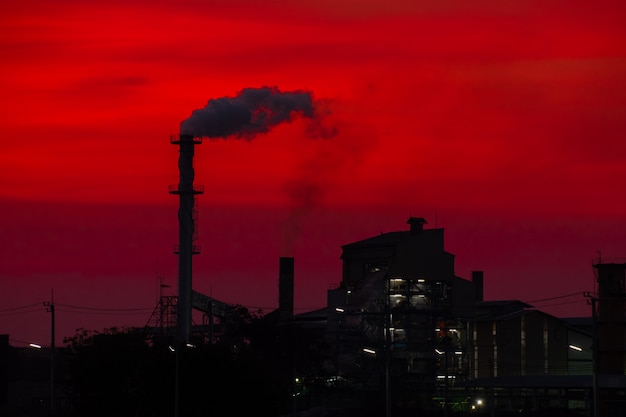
503 122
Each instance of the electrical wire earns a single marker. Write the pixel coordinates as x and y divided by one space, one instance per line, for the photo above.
17 313
105 313
68 308
22 307
563 303
12 340
556 297
250 307
104 309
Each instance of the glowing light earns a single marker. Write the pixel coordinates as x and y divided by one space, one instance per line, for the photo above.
34 345
339 310
576 348
370 351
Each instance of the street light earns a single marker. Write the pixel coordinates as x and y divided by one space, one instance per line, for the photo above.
52 389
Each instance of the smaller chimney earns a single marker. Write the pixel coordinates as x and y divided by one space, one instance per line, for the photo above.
416 224
285 289
477 279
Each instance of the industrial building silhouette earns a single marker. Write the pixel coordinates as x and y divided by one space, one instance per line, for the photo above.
403 322
402 332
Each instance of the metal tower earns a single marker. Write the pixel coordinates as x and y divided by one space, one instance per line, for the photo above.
162 321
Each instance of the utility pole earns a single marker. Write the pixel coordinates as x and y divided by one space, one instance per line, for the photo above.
594 353
50 309
387 351
445 384
594 342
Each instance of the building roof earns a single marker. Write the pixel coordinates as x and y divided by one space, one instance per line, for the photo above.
499 309
319 314
389 238
550 381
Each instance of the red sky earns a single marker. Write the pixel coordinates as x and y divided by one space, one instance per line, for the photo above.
503 122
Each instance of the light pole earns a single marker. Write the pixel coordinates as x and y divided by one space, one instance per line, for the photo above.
387 350
594 353
50 309
594 360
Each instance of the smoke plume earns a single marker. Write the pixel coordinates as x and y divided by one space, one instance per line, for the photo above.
257 110
252 111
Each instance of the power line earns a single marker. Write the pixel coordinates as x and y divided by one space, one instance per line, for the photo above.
105 309
555 297
251 307
563 303
105 312
18 313
20 308
12 340
68 308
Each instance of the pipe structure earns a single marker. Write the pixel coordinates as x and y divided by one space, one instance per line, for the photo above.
187 231
285 288
185 250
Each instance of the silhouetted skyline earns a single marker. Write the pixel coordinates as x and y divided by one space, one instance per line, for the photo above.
501 123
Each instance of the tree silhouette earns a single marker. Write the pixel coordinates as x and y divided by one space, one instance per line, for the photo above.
120 373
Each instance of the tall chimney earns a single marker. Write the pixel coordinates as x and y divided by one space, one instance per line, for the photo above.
477 279
285 289
186 232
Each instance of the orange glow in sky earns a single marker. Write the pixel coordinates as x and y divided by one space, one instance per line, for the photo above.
503 122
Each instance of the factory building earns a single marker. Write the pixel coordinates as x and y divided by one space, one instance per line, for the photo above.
401 331
408 332
399 320
525 360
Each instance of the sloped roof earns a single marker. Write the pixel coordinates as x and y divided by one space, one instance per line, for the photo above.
499 309
319 314
389 238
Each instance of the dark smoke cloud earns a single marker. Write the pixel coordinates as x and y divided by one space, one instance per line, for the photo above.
252 111
257 110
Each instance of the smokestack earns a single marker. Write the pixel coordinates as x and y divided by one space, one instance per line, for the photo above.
186 231
252 111
285 289
477 279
